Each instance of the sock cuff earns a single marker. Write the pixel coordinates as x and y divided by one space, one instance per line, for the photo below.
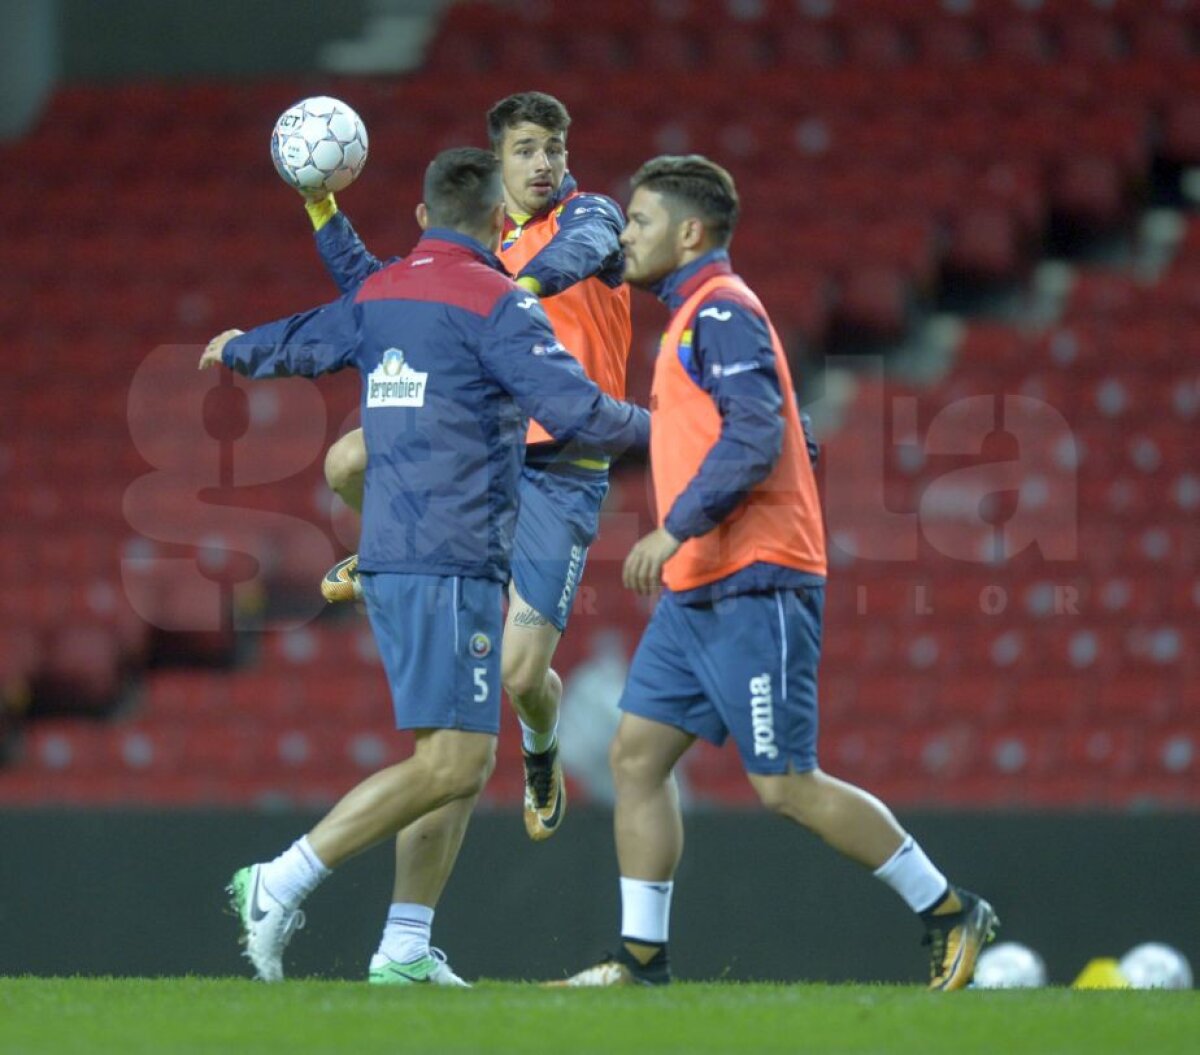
913 876
536 743
646 910
889 865
310 855
408 912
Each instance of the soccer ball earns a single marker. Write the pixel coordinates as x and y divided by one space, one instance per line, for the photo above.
1156 966
1009 965
319 144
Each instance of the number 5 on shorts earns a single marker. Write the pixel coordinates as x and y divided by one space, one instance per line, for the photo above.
481 686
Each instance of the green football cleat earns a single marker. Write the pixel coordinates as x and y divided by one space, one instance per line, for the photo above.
430 969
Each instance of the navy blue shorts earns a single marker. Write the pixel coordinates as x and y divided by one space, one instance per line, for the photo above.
558 519
439 639
746 666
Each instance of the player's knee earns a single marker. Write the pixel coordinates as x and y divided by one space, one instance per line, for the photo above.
632 765
523 673
345 460
793 795
464 773
773 794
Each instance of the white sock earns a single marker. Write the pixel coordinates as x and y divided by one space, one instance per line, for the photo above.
913 876
406 933
535 743
645 910
294 874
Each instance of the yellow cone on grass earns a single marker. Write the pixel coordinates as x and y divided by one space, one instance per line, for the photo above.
1101 973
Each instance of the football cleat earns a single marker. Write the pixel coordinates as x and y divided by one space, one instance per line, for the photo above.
430 969
267 926
621 969
955 940
545 794
341 582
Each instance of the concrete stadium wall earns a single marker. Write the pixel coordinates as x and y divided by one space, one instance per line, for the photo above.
100 893
132 39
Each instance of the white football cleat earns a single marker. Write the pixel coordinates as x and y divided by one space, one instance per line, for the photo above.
267 926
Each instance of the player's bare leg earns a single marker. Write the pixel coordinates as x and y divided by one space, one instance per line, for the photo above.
856 824
425 854
447 765
346 467
536 692
345 472
647 820
426 851
648 826
852 821
448 768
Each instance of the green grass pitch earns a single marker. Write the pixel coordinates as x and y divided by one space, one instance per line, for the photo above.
187 1015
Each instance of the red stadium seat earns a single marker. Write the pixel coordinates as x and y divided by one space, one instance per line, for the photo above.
887 153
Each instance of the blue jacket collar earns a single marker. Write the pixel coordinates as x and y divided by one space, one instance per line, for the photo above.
682 283
461 241
565 190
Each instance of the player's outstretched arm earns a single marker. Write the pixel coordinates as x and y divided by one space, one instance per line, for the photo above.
343 253
305 345
216 347
523 355
587 244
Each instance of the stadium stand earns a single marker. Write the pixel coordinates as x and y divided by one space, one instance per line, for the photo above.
165 531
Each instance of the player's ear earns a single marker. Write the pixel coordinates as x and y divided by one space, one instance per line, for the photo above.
422 216
691 233
495 227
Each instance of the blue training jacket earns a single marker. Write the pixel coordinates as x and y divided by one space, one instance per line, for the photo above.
454 359
587 244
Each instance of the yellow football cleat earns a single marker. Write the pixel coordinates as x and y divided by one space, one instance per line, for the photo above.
621 969
545 794
341 581
955 940
602 974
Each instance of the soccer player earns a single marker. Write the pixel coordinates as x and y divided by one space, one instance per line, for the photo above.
562 245
454 356
734 642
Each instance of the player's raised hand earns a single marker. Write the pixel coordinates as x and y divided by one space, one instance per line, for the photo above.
643 567
214 348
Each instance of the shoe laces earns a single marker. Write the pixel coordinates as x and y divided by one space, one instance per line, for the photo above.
539 774
937 938
295 921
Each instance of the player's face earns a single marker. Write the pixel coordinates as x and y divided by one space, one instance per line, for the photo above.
650 239
533 161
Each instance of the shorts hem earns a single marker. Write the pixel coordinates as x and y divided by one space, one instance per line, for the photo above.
458 727
717 739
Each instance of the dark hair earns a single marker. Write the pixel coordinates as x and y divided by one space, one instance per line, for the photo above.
537 108
694 182
462 186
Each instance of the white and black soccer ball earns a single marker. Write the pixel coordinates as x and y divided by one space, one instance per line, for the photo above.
1009 965
1154 965
320 144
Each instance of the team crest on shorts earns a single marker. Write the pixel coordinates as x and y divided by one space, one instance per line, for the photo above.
481 644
